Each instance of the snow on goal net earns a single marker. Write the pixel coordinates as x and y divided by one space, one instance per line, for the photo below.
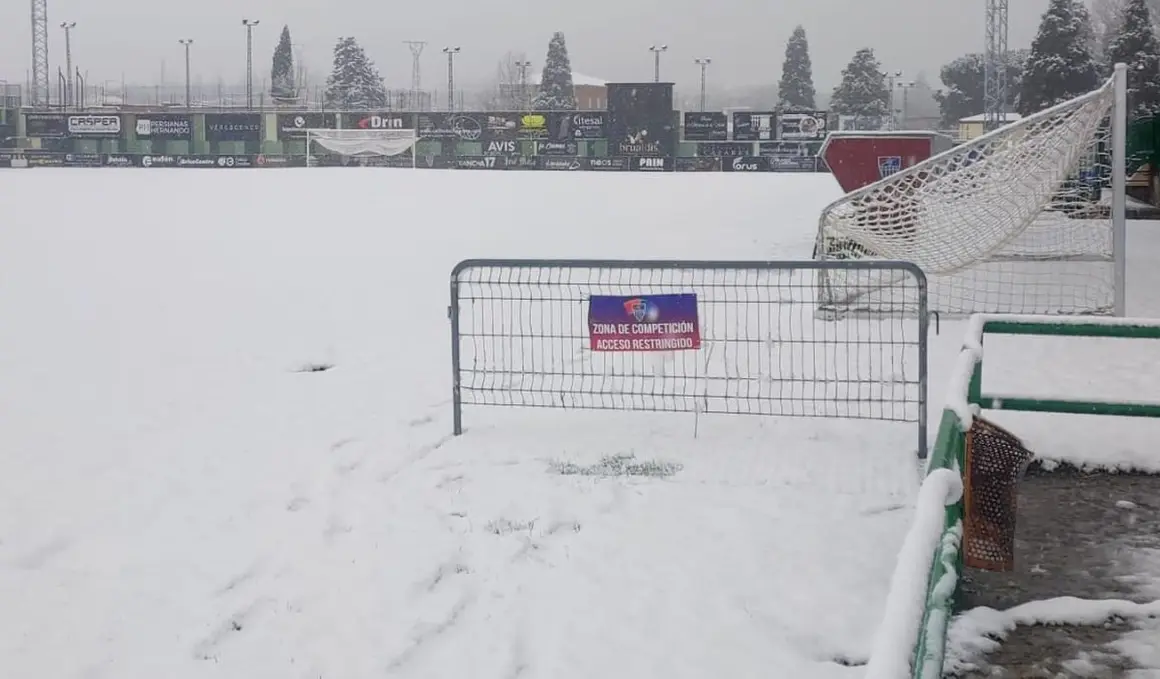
1019 220
361 142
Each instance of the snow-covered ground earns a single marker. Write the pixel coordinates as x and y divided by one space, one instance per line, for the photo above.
180 500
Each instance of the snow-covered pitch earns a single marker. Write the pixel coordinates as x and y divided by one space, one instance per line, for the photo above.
181 499
186 492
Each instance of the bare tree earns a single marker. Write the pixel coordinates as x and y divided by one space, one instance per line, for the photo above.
512 88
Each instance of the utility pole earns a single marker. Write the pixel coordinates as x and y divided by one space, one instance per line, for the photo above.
525 100
68 84
416 76
656 50
451 52
186 42
249 24
704 64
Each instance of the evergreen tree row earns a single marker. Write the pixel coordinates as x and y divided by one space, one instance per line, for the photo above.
1069 56
354 82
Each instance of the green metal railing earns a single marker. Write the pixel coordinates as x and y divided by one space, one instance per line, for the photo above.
950 450
1121 329
948 453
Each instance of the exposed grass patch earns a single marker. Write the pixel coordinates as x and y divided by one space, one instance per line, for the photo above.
314 368
618 465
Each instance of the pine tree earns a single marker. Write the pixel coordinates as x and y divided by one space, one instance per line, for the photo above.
863 91
795 91
282 72
1060 65
1106 18
1134 43
556 91
355 83
963 79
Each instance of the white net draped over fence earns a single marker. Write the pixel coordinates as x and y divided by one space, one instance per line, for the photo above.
1017 220
363 142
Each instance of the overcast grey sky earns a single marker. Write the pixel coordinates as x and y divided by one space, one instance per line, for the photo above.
606 38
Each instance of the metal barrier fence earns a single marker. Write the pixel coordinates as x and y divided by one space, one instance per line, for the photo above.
745 337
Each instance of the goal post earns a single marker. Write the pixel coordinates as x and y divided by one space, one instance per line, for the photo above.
362 143
1029 218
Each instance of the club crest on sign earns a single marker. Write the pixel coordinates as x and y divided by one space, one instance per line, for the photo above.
888 165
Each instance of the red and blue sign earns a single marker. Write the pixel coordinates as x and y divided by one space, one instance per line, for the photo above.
643 323
888 165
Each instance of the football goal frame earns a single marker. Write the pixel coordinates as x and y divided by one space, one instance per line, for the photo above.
1029 218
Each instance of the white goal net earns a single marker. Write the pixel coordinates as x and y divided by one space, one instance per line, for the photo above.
364 144
1025 219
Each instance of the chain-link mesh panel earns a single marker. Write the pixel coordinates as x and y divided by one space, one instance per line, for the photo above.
522 338
996 460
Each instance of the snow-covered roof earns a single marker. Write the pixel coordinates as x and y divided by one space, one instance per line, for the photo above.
587 80
1008 117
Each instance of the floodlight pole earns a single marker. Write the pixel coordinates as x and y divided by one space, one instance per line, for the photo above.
657 50
68 84
249 24
186 42
704 64
451 52
890 78
525 100
905 87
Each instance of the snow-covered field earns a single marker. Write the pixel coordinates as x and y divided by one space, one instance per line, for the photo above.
180 500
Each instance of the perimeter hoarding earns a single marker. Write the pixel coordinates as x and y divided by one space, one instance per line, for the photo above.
45 125
746 164
641 120
294 125
453 126
164 126
724 149
561 163
754 125
566 125
614 164
557 148
233 127
804 126
89 126
378 121
697 164
705 126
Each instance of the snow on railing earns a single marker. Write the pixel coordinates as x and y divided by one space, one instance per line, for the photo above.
894 643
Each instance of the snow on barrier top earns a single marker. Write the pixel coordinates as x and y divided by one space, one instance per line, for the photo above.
894 643
912 639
